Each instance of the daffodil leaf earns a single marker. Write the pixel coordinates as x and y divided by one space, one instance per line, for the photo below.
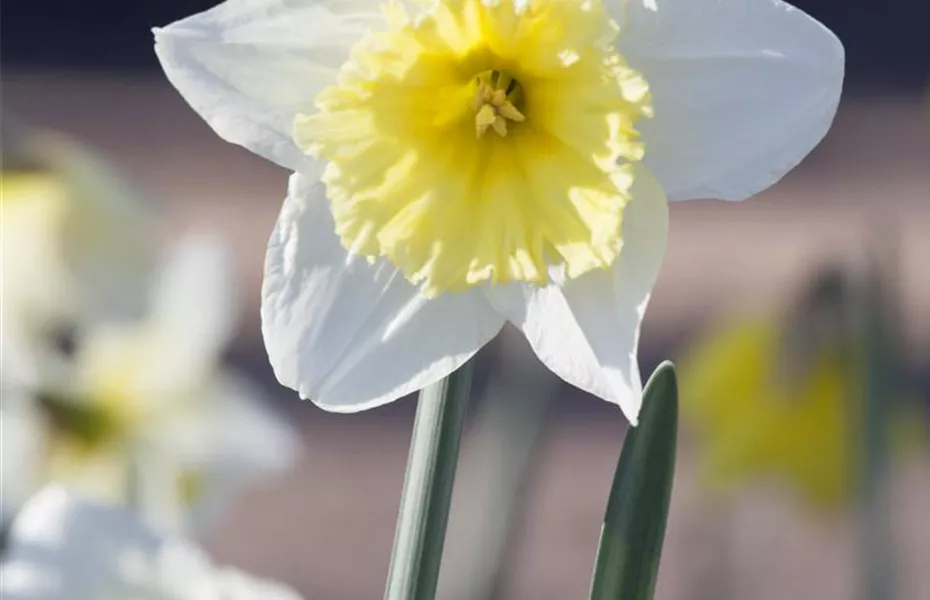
634 526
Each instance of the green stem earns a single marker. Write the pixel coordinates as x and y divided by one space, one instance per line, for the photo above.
152 492
424 505
495 479
878 389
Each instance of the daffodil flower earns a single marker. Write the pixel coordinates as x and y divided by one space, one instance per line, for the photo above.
755 420
464 163
780 398
62 547
156 386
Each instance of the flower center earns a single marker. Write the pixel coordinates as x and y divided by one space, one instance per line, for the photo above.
414 175
497 96
89 424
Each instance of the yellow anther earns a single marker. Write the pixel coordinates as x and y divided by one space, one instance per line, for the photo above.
499 125
509 111
485 117
493 103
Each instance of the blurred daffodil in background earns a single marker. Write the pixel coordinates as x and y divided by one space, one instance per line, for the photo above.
460 164
62 547
782 397
112 368
154 389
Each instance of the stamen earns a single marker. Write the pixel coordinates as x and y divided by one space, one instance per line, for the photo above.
509 111
496 96
500 126
484 118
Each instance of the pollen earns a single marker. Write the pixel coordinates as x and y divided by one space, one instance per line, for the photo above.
471 142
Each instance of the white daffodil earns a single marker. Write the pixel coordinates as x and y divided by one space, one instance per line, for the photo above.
74 247
463 163
64 548
154 389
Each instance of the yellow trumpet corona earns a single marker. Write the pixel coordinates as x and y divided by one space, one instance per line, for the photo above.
413 175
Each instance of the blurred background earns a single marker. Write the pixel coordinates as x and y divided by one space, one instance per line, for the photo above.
87 69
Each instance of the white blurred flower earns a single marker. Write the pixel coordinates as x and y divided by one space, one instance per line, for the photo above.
63 548
155 388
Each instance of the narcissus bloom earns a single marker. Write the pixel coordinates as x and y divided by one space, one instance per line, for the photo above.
755 420
62 547
464 163
152 389
781 398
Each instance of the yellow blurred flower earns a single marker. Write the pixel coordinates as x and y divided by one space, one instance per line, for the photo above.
781 398
754 419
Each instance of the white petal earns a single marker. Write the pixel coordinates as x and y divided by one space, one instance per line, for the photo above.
22 450
238 442
352 334
587 331
80 234
162 359
195 297
249 66
106 236
62 548
250 436
742 90
38 288
183 571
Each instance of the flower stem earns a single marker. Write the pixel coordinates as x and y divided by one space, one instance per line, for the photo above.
495 479
878 389
424 505
152 489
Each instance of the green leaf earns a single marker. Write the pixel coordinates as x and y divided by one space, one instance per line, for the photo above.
634 526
